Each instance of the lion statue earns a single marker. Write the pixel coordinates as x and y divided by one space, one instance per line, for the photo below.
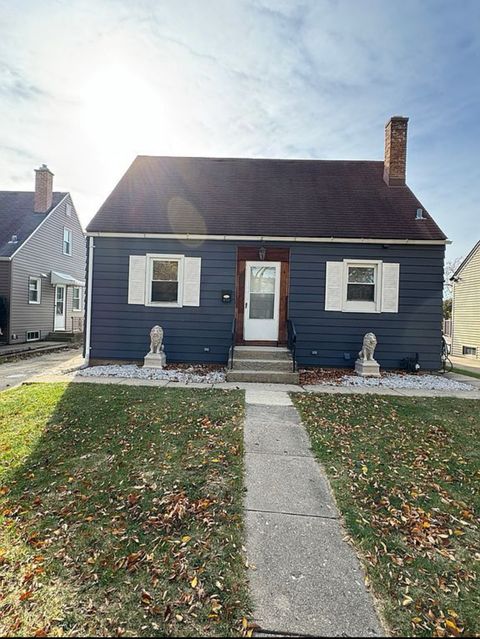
156 339
368 348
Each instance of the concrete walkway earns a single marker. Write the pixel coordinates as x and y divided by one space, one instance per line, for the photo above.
467 363
50 365
474 393
11 351
307 579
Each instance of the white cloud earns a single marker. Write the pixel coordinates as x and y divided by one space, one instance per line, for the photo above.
86 85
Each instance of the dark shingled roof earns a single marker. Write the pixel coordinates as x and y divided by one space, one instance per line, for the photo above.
299 198
17 218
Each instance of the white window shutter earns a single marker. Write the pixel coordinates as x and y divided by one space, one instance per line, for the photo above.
390 287
191 281
136 279
334 286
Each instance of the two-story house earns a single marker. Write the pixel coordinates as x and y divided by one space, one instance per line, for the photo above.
42 263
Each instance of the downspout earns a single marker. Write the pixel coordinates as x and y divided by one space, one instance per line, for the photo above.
88 327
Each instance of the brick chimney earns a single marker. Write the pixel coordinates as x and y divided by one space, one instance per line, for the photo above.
43 189
395 162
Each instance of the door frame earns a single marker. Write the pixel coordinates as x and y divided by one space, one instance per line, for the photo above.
254 254
276 300
57 286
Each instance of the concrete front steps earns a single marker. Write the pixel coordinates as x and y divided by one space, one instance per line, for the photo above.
268 364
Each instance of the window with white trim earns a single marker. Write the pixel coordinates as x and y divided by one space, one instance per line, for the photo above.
33 336
34 290
361 286
469 350
164 280
77 298
67 241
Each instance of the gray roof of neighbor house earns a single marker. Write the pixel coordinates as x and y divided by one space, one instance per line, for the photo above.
17 218
289 198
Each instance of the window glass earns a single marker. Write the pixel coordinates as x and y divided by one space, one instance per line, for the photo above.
262 292
165 281
34 290
67 241
77 299
361 284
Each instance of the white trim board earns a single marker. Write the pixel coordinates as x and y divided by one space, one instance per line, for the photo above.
266 238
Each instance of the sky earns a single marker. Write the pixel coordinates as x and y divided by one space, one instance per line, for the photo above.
86 85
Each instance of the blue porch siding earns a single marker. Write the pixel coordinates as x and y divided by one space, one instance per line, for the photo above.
120 331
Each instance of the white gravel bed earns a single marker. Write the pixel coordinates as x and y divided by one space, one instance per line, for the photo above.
130 371
423 382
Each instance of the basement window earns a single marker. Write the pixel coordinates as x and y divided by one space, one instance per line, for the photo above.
469 350
33 336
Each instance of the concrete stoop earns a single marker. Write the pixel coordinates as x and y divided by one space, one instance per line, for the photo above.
266 364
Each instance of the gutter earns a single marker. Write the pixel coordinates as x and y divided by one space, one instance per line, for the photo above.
88 327
266 238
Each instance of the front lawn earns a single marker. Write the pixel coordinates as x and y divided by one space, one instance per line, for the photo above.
406 473
121 511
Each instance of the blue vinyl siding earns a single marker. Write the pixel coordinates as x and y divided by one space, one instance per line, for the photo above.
120 330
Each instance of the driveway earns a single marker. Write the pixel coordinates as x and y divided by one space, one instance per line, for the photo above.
15 373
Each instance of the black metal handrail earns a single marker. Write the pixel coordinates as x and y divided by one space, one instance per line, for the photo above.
232 344
292 342
447 365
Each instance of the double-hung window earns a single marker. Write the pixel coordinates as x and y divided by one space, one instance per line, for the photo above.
164 281
361 286
67 241
77 298
34 290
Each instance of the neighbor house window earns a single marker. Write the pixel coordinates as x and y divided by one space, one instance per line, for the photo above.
34 290
67 241
68 209
77 298
164 280
469 350
361 284
33 336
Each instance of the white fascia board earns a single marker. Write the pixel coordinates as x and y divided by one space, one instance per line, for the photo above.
266 238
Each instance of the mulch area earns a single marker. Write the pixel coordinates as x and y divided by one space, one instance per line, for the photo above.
315 375
196 368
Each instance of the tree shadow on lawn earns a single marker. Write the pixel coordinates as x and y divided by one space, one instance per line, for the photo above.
123 511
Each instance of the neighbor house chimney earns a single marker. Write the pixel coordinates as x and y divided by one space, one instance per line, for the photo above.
43 189
394 166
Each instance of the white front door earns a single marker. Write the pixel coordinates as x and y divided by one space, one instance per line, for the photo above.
59 322
262 301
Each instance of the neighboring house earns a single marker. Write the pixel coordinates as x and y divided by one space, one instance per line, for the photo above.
42 263
340 248
466 307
